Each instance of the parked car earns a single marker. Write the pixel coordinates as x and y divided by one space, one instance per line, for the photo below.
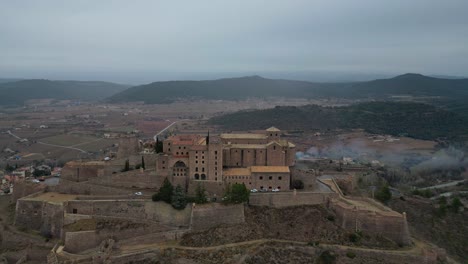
138 193
275 190
254 190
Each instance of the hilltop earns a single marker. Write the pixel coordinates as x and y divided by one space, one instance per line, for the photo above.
395 118
221 89
17 92
415 85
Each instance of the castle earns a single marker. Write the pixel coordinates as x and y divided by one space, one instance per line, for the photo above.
260 160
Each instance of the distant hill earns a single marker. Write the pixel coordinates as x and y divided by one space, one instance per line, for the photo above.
394 118
442 91
410 84
17 92
5 80
225 89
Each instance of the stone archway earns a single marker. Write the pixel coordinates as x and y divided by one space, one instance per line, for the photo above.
179 169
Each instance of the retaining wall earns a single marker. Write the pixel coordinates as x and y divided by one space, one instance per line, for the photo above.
284 199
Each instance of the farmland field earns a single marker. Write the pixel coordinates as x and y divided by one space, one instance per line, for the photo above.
68 140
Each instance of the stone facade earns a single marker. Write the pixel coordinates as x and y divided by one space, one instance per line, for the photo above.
259 160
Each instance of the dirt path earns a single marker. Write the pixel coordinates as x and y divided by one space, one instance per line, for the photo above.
148 247
58 146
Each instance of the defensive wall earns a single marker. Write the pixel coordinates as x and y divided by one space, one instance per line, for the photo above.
308 177
87 188
205 216
290 198
372 218
133 209
25 188
130 179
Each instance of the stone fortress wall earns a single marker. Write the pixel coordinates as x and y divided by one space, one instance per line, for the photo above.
384 222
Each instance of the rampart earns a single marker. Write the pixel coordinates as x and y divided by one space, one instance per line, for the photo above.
130 179
292 198
205 216
87 188
374 219
308 177
39 215
133 209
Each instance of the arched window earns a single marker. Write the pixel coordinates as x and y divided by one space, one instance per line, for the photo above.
197 177
203 177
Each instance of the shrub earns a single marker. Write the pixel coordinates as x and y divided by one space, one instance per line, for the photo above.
456 204
331 218
236 193
350 254
355 237
383 194
200 197
327 257
298 184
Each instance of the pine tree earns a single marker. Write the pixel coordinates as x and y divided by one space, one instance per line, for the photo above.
178 199
158 147
165 192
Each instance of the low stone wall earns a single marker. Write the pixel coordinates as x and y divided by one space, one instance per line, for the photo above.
211 215
389 224
25 188
86 188
213 189
137 209
284 199
130 179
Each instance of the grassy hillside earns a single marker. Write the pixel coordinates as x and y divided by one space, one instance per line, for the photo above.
394 118
17 92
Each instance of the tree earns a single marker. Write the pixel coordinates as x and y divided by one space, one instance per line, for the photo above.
127 165
143 162
9 168
178 199
456 204
383 194
298 184
165 192
200 196
158 147
236 193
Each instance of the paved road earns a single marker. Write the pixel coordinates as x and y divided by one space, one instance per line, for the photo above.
443 185
160 132
9 132
58 146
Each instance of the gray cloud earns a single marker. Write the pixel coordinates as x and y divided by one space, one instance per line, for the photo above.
151 40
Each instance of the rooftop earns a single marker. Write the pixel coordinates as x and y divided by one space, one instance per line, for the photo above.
279 169
273 129
237 172
243 136
248 146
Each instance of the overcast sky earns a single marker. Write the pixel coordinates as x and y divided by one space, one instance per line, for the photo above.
142 41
